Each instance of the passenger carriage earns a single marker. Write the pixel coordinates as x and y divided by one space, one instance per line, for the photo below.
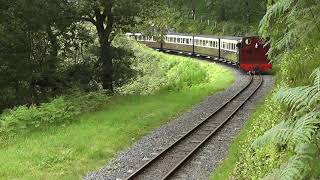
248 53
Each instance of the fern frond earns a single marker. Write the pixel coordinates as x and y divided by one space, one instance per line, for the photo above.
279 134
274 10
293 132
293 97
304 128
296 167
316 76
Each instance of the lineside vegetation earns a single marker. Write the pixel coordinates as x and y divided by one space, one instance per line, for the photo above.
282 138
72 135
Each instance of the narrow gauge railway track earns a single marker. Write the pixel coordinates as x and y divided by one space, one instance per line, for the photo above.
168 162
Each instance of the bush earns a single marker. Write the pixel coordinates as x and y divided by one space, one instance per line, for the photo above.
59 111
185 75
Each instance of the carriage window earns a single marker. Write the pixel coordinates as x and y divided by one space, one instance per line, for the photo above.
187 41
174 40
178 41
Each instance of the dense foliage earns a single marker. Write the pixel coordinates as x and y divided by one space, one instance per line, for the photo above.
283 138
226 17
300 132
48 48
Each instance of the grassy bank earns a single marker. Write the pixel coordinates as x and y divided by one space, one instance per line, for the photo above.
69 152
168 86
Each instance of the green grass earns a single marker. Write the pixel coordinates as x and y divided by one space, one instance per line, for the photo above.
70 152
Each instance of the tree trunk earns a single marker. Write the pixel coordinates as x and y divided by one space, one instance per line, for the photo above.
53 54
105 55
107 67
51 74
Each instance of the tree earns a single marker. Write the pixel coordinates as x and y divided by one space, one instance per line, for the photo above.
109 17
29 48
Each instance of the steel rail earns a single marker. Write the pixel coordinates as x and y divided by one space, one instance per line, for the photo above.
147 164
187 157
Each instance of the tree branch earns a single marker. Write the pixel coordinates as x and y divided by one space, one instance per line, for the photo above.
89 20
110 20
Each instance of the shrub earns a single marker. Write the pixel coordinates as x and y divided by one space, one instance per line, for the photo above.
59 111
185 75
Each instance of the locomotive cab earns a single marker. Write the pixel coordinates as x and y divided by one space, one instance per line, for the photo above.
253 55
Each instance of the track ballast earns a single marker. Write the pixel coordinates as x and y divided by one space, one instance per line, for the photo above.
169 161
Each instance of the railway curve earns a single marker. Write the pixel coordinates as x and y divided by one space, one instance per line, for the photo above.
168 162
